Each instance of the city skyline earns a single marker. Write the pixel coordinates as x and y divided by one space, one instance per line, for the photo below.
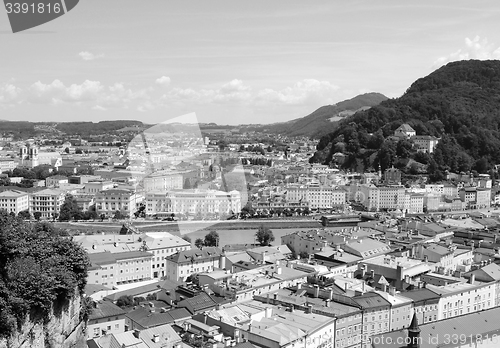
230 63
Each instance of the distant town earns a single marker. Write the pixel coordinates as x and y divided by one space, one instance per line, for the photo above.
229 237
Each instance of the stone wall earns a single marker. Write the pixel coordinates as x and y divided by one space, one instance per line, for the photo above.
64 329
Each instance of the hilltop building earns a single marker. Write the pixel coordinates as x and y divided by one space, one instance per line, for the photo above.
423 143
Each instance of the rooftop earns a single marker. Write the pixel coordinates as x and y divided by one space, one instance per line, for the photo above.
105 309
435 334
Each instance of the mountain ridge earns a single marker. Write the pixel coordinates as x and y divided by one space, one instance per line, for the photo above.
318 123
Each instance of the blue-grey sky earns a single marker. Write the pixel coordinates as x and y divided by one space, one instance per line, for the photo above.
230 62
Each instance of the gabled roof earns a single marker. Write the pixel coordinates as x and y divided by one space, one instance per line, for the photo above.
405 127
193 255
106 309
147 319
371 300
488 273
199 302
422 294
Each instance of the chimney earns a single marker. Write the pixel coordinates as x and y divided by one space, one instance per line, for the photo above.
267 299
222 261
472 278
363 270
137 333
156 338
345 287
316 291
279 270
330 295
426 258
372 273
309 309
327 303
384 287
392 290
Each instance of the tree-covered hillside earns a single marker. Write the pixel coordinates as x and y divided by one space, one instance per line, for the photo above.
459 103
39 271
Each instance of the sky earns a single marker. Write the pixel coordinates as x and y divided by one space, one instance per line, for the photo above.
231 62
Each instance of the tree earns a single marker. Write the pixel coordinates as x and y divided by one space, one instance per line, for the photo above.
211 239
66 150
187 238
102 217
404 148
25 214
187 184
125 301
303 255
39 271
37 215
118 215
199 243
264 236
69 209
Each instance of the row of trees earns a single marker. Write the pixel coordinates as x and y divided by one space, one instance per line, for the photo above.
264 237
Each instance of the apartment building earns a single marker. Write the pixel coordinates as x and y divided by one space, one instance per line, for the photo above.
475 198
376 315
47 202
110 269
106 318
14 201
322 197
401 308
7 164
55 181
160 244
201 203
112 200
163 181
414 203
181 265
464 298
96 186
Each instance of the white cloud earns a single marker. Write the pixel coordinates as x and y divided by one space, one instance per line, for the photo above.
234 91
85 55
476 48
164 81
305 92
56 92
9 93
308 93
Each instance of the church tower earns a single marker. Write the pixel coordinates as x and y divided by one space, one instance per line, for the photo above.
414 333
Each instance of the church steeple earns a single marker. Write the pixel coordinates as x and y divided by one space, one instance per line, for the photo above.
414 333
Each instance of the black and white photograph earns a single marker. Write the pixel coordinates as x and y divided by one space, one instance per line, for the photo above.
249 174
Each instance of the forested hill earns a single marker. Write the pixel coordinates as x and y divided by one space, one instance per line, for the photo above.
459 102
325 119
